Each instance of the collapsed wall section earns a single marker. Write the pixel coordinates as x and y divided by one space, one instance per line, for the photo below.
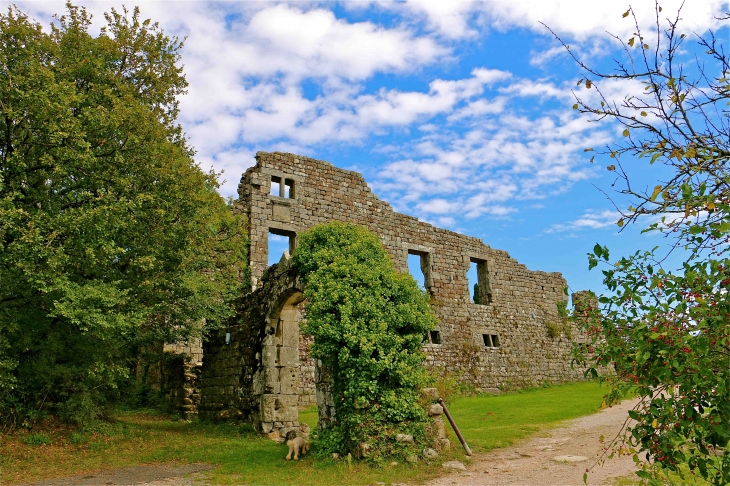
513 336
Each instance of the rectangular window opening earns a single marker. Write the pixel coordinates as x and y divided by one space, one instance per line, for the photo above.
288 188
490 340
414 268
275 186
280 241
434 337
419 266
478 280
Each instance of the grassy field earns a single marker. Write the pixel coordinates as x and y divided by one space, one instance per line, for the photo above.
243 457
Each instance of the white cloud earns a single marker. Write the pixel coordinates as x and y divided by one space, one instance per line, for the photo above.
541 58
590 220
578 19
479 107
582 20
502 158
539 89
315 43
473 154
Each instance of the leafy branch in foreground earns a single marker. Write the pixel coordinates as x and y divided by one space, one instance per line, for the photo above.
675 115
665 332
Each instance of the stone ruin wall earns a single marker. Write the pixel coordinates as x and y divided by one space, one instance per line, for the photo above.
254 373
531 346
183 364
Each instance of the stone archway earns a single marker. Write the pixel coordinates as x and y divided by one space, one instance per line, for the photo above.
276 383
251 370
278 386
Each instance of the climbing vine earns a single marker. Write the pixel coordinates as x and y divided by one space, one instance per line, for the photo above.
368 321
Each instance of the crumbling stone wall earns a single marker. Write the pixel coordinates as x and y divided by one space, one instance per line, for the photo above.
508 340
252 369
181 376
260 369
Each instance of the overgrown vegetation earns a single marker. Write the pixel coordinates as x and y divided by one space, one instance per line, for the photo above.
111 238
368 321
242 456
665 331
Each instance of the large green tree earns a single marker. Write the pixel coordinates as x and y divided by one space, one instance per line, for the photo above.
368 322
110 236
665 331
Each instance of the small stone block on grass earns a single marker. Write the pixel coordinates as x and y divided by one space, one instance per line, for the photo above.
454 465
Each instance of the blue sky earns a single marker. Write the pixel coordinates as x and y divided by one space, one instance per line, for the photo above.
458 113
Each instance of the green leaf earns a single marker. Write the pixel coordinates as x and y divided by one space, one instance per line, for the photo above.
625 133
598 250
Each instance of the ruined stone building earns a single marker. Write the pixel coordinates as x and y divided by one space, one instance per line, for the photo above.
259 368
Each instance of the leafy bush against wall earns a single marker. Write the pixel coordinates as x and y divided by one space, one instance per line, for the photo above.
368 323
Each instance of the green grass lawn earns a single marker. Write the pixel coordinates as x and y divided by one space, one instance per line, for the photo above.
488 422
243 457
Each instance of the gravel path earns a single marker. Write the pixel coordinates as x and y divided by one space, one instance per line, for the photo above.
532 463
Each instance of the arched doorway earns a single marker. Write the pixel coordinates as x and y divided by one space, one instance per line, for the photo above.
288 379
278 376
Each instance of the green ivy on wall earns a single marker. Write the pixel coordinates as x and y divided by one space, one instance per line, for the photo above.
368 321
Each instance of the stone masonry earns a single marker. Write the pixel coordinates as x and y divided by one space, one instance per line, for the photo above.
512 338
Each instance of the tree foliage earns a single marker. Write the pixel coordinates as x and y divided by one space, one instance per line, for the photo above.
665 331
110 236
368 322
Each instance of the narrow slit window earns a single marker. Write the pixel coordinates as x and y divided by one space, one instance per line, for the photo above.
434 337
275 186
480 291
280 241
288 188
419 266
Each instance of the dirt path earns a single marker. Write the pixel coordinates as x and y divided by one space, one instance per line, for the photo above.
532 463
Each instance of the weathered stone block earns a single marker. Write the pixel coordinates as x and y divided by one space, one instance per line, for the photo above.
288 356
279 408
269 356
435 409
289 380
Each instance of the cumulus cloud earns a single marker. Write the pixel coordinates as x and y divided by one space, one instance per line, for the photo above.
577 19
590 220
491 163
296 76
